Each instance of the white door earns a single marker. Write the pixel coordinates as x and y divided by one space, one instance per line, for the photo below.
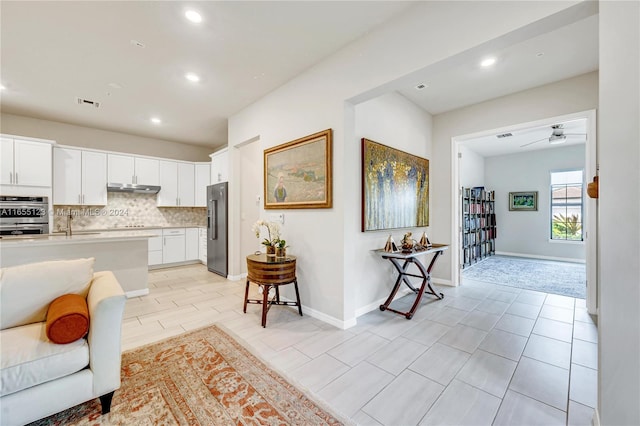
186 184
67 186
203 177
147 171
168 195
120 168
94 178
32 163
6 161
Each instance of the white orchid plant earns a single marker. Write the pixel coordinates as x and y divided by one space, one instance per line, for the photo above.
273 232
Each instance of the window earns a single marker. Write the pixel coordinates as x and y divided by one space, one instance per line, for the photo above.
566 205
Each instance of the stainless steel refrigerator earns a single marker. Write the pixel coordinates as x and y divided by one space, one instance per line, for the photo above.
217 228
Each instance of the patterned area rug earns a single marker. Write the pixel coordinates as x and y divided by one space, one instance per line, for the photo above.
199 378
564 278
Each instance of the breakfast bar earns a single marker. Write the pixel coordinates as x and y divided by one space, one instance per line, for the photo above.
123 252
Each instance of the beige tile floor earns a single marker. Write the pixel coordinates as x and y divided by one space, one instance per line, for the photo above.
485 354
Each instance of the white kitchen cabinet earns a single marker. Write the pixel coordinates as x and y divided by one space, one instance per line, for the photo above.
132 169
203 179
177 183
168 195
155 247
202 251
186 184
220 166
79 177
25 162
173 245
191 243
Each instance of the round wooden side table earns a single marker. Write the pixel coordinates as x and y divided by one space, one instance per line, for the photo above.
271 271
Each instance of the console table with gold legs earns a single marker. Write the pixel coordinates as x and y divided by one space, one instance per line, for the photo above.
269 271
424 273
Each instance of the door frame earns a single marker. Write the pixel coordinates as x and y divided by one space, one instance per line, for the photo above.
590 205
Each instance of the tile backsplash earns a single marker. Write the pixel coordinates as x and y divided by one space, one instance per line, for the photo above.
126 210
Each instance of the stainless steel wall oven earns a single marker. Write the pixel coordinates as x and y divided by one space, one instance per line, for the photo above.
24 215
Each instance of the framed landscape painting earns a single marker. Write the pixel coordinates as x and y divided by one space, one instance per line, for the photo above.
297 174
395 188
523 201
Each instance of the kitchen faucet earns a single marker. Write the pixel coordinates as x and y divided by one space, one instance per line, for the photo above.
68 230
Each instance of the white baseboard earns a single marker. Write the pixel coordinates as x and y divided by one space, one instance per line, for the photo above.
136 293
535 256
595 420
237 277
343 325
442 282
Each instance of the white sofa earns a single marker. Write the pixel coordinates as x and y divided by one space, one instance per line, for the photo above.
39 377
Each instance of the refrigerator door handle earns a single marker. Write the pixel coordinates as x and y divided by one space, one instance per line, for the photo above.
214 225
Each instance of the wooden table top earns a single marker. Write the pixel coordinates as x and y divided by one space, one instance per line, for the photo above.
263 258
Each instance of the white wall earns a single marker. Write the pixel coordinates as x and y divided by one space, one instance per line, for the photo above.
394 121
619 215
563 97
471 168
527 232
87 137
315 100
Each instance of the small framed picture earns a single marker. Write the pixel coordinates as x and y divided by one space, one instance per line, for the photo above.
523 201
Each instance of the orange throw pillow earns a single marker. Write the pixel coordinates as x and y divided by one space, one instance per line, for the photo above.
67 319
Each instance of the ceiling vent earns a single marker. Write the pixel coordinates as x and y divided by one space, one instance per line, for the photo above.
88 102
504 135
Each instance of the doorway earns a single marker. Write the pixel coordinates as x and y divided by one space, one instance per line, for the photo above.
250 157
517 180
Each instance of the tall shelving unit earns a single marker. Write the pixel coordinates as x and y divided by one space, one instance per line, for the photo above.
478 225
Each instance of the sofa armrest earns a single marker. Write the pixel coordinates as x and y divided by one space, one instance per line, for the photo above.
106 302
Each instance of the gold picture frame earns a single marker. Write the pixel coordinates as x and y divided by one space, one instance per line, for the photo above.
298 174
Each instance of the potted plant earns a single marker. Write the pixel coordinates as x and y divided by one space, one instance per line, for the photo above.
281 248
273 235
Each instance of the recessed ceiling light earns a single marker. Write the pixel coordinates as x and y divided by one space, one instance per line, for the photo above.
193 16
156 120
2 87
487 62
192 77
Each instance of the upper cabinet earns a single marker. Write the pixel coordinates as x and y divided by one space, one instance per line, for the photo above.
25 162
79 177
177 182
220 166
132 169
203 179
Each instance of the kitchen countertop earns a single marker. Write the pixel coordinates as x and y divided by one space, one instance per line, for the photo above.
77 237
137 228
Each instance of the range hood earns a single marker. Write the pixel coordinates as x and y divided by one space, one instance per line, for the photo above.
133 187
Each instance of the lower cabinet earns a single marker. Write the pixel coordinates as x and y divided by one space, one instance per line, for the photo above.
203 246
155 247
191 243
174 245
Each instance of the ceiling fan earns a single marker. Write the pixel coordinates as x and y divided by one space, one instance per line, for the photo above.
557 136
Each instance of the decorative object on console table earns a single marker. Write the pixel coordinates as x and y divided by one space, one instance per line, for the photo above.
407 243
390 245
478 225
395 188
297 174
424 240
